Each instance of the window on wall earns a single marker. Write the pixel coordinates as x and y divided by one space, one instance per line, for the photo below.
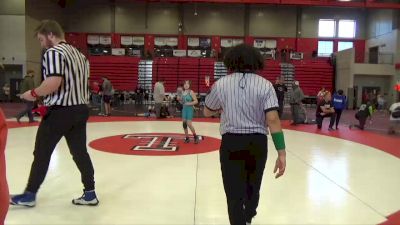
347 29
326 28
325 48
343 45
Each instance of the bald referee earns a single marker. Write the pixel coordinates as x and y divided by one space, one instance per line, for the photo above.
249 106
66 93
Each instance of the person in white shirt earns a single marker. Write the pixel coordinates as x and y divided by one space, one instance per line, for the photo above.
159 97
394 117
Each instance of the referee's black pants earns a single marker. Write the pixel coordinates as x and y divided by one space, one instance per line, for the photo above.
69 122
243 158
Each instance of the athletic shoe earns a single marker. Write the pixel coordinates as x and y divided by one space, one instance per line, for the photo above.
331 129
196 140
186 140
27 199
88 198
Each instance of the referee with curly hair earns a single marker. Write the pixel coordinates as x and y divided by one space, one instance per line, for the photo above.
249 107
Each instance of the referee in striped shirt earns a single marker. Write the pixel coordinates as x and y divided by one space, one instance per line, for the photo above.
66 94
249 106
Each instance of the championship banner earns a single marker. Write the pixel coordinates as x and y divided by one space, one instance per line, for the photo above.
205 43
93 39
126 40
105 40
172 42
179 53
259 43
194 53
237 42
118 51
139 41
193 42
160 41
226 43
270 43
135 53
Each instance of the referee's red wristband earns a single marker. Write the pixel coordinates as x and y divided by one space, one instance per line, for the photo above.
34 94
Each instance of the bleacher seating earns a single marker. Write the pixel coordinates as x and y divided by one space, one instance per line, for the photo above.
121 71
313 75
176 70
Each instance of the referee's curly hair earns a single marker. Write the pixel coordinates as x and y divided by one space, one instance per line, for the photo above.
243 58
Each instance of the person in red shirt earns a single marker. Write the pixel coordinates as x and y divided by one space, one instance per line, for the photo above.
4 195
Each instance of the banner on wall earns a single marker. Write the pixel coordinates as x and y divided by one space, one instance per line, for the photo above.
138 41
237 42
205 43
172 42
135 52
93 39
270 43
179 53
105 40
226 43
160 41
194 53
118 51
193 42
259 43
126 40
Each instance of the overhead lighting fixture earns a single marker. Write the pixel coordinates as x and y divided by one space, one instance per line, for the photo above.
195 9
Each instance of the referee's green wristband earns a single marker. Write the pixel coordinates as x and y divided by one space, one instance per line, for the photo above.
279 140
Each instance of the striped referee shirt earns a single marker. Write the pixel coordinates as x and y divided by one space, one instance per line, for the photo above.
66 61
244 99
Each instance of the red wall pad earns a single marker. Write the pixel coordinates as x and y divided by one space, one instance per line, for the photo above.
4 195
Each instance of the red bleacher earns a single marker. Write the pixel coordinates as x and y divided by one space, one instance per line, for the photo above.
121 71
272 69
176 70
313 75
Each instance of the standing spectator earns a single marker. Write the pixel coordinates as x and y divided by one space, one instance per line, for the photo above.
4 195
26 85
280 89
296 104
325 109
139 94
249 107
6 90
284 53
372 98
159 96
394 117
107 91
365 111
95 91
66 92
381 102
339 104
